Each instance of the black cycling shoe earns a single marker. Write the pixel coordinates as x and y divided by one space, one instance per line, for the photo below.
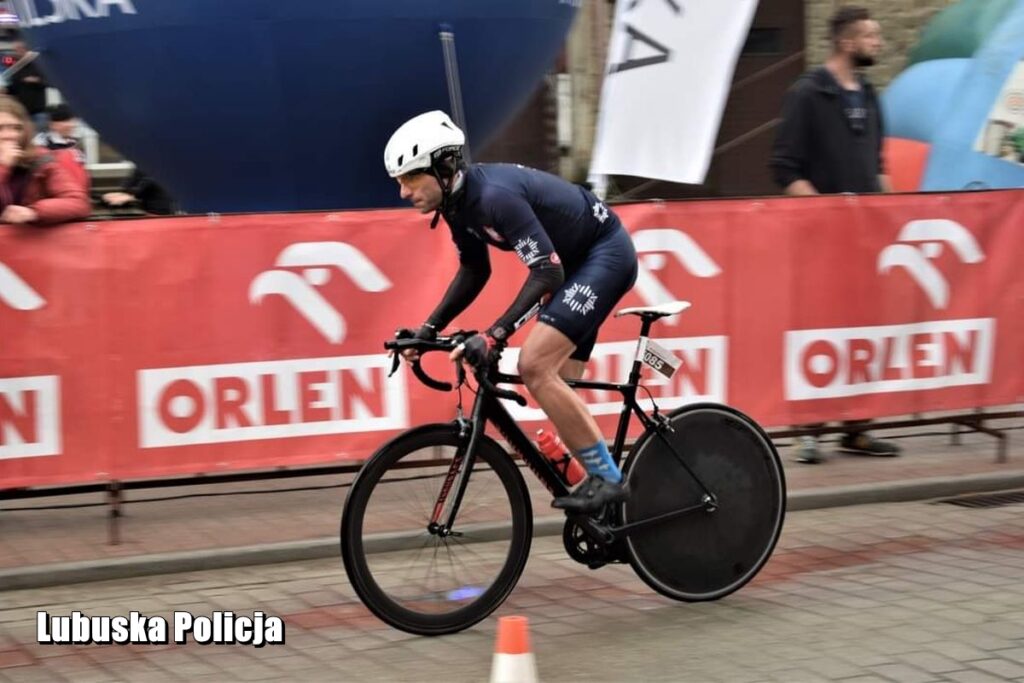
592 495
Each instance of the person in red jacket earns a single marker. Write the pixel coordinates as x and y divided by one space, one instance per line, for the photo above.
35 186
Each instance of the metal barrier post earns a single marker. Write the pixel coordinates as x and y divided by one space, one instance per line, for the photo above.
114 499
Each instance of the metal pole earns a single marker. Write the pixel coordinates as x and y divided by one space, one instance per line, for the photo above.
451 69
27 59
114 499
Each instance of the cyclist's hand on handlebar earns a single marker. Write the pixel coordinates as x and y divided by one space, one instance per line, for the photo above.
426 332
479 350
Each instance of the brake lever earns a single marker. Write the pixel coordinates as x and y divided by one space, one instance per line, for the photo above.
396 360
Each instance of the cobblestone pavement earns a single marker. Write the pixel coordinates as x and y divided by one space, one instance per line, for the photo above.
909 592
37 532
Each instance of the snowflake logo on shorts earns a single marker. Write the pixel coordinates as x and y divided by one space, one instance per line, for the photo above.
580 298
527 249
600 212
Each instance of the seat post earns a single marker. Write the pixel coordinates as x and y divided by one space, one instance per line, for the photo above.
634 373
645 325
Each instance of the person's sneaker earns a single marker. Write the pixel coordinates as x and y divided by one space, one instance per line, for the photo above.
807 452
865 444
592 495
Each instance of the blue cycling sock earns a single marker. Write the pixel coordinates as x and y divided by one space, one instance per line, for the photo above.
599 463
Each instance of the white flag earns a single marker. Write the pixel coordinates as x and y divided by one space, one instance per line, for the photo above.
670 64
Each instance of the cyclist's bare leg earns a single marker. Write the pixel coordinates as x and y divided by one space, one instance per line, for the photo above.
572 369
542 363
544 357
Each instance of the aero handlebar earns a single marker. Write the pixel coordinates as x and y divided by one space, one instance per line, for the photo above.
446 344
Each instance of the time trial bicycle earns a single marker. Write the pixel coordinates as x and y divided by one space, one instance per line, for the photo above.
437 525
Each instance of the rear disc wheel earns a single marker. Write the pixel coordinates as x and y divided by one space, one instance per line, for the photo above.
710 553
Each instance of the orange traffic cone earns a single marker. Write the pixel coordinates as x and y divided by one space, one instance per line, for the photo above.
513 659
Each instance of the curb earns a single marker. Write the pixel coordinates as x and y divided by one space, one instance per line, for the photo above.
56 574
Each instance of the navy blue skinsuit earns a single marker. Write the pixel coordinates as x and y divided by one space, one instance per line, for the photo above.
547 220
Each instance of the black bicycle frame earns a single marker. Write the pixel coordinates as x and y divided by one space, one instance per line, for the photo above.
488 408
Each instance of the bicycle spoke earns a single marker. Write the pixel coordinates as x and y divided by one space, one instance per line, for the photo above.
433 583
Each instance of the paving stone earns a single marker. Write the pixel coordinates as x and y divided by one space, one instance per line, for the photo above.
807 624
973 676
1000 667
903 673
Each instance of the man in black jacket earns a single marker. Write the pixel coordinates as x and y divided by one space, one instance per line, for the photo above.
830 140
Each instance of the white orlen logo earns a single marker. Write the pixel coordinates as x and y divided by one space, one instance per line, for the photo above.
600 212
16 293
701 377
527 249
831 363
652 246
299 290
580 298
269 400
29 416
917 259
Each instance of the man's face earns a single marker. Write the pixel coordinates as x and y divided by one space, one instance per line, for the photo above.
65 129
421 190
20 48
865 42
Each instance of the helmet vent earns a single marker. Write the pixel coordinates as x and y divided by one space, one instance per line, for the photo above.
415 150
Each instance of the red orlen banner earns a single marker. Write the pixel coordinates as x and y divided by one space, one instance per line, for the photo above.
201 344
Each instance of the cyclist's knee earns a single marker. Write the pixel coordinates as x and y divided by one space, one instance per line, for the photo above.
535 371
572 369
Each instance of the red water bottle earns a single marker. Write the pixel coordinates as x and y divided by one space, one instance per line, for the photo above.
568 467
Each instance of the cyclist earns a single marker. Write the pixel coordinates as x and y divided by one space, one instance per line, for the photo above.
581 262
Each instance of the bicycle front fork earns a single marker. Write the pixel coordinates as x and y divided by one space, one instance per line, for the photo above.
458 476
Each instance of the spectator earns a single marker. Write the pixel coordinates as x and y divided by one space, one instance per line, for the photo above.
140 188
830 140
60 139
34 186
29 87
61 132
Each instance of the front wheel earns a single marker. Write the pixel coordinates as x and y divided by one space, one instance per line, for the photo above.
405 572
709 553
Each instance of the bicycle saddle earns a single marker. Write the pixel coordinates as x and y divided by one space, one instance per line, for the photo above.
655 312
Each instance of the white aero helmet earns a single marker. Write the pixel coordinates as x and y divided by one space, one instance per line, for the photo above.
418 142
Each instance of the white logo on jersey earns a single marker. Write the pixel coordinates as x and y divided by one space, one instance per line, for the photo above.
527 250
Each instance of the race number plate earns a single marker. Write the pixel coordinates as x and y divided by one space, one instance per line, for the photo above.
658 357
